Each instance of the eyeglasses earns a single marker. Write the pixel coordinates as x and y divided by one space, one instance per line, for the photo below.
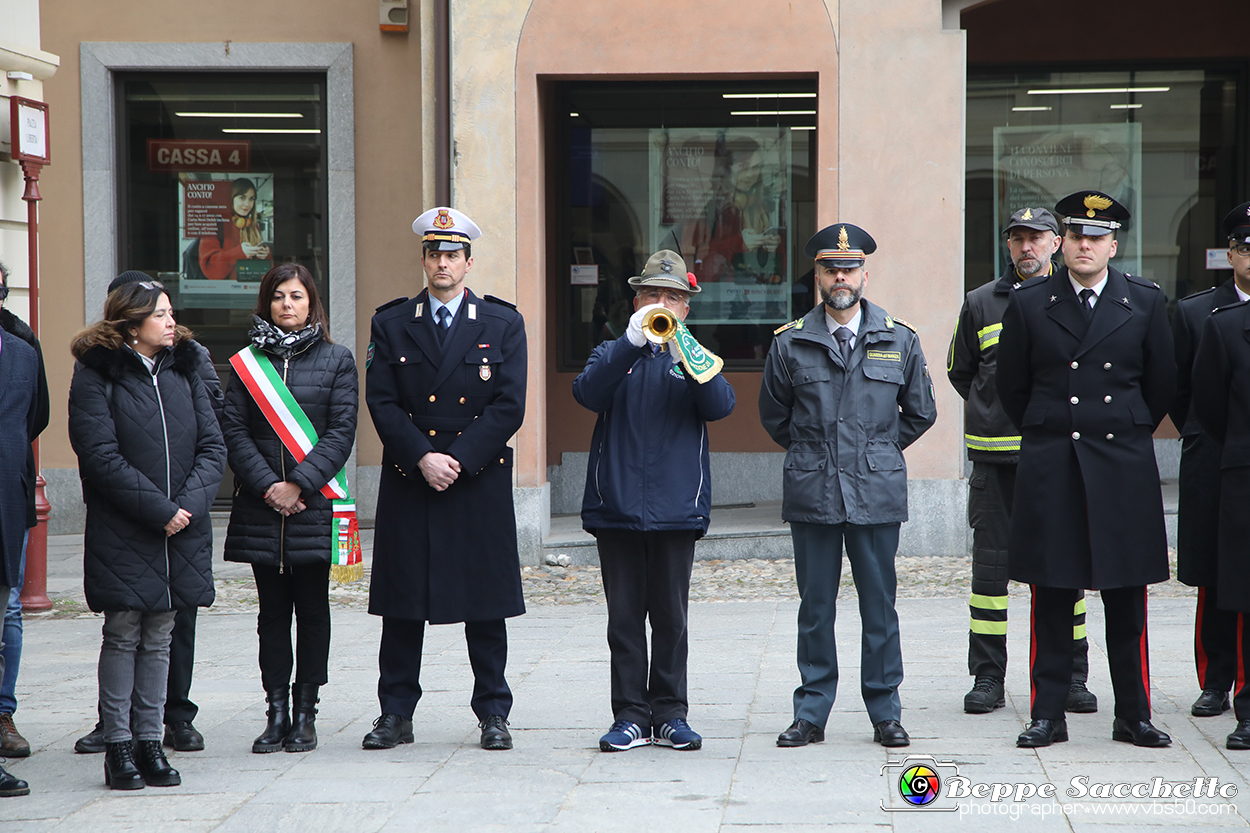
4 292
1242 249
657 296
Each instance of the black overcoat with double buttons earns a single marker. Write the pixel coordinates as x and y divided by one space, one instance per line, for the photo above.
446 556
1087 394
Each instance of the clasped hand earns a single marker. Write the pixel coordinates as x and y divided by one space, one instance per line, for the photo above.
439 470
284 497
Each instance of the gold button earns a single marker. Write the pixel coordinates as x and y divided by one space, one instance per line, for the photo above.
403 359
501 461
433 397
462 400
432 432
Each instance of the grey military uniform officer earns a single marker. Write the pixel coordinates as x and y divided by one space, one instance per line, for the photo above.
845 390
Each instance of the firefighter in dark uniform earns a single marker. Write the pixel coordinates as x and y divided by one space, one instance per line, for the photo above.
1221 401
845 390
994 448
446 390
1086 371
1215 628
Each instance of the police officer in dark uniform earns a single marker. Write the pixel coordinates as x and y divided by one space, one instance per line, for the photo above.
845 390
1086 371
994 448
1221 401
1215 628
446 390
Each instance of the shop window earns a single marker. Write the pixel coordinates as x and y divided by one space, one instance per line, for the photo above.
221 176
1163 142
721 171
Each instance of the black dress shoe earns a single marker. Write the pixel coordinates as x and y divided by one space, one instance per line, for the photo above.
1043 732
1138 733
1080 699
801 733
890 733
11 785
183 737
495 733
120 772
389 731
1210 703
150 758
1239 739
91 743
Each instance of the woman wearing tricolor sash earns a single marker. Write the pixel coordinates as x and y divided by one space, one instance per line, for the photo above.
289 422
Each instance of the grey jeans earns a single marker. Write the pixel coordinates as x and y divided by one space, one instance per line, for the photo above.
134 668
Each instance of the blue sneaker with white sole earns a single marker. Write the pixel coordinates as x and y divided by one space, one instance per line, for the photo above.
623 735
677 734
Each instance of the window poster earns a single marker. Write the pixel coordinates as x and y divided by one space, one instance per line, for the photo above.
1038 166
225 225
723 196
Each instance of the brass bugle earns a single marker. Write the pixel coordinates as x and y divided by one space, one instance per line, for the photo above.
659 325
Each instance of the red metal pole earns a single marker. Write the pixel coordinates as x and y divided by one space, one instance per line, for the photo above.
35 589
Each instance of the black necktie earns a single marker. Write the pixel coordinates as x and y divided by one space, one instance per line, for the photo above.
1088 301
844 335
443 317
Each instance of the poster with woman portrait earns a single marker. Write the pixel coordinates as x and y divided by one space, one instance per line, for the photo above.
723 195
225 224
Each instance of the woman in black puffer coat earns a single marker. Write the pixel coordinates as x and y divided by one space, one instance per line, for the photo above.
280 522
151 457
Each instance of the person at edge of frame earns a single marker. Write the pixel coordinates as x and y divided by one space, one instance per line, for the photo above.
1223 360
1086 371
845 389
445 384
994 450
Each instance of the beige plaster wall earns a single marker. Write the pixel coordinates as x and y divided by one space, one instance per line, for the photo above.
900 175
501 50
389 149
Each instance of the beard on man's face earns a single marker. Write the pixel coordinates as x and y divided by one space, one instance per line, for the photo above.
840 297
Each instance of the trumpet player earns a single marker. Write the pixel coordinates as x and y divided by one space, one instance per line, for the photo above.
648 498
845 390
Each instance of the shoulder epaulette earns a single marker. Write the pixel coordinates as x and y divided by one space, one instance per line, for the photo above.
1233 305
499 301
1199 293
785 327
1029 284
1142 282
888 319
390 304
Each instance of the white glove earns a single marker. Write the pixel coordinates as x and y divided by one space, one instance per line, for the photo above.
634 333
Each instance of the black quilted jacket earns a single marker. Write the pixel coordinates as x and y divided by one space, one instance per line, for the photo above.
322 378
148 445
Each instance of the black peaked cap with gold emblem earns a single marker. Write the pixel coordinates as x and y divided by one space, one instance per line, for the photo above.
1092 213
1236 225
841 245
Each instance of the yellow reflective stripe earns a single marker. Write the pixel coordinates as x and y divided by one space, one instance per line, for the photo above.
991 443
1078 632
1079 608
987 602
988 628
988 336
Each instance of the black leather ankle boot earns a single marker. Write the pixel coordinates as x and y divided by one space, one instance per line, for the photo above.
303 734
279 724
150 758
120 771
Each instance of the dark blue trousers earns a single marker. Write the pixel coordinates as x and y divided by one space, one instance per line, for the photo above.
818 569
399 666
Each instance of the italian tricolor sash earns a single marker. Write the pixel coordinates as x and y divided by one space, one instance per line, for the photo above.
293 427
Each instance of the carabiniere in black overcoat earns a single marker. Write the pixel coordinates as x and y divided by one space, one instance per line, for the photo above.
446 556
1086 394
1221 401
1198 504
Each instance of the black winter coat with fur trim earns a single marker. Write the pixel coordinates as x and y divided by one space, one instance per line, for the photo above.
148 444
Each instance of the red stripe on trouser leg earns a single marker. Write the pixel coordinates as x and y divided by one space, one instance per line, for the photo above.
1032 644
1241 657
1200 653
1144 647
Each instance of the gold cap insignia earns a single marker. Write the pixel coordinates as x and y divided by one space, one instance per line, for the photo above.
444 221
1027 215
844 242
1096 203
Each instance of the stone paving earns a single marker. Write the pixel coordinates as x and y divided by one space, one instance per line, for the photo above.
742 674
